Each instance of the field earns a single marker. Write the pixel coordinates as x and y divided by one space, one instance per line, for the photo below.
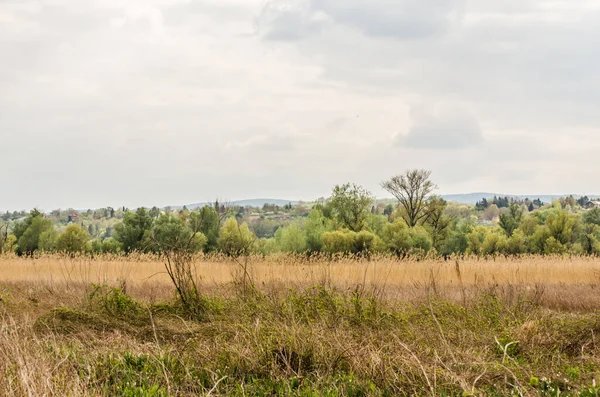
349 326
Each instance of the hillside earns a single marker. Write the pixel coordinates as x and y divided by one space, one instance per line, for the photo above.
472 198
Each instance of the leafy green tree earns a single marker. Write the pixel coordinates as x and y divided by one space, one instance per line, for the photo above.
134 232
266 246
560 226
3 234
10 245
529 225
554 247
537 241
110 245
376 224
510 221
494 243
349 242
517 243
291 239
210 222
315 226
592 217
365 241
28 232
437 223
180 234
236 240
73 239
589 238
457 241
339 241
48 240
420 239
397 238
350 206
401 240
476 239
411 190
266 228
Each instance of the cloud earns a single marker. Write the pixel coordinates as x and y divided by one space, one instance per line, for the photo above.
285 141
441 129
198 98
401 19
289 20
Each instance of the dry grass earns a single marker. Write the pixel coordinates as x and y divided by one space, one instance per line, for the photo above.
541 270
379 327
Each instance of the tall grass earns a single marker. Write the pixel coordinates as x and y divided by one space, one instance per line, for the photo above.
341 271
314 326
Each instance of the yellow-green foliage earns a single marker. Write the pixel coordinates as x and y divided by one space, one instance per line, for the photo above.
399 238
10 245
48 240
517 243
73 239
236 239
291 239
346 241
339 241
494 243
476 239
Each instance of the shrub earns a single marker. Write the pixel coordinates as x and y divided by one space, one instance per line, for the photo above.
476 239
73 239
494 243
339 241
517 243
48 240
236 240
291 239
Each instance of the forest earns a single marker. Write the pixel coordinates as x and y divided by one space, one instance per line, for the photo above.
350 221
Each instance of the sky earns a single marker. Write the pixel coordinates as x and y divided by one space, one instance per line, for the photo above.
167 102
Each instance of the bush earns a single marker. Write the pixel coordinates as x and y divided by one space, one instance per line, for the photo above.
400 239
48 240
291 239
554 247
339 241
494 243
236 240
73 239
10 245
517 243
396 237
110 245
476 239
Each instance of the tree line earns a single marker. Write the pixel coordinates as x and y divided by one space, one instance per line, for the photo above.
349 221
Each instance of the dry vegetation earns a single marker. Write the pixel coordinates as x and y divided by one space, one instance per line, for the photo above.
349 326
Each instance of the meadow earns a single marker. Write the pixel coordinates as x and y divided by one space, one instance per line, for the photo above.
352 326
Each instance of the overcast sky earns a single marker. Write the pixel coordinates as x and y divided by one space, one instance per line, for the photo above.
165 102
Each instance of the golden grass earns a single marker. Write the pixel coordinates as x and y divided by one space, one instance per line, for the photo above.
439 329
342 272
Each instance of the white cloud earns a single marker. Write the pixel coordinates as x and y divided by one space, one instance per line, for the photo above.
441 128
165 101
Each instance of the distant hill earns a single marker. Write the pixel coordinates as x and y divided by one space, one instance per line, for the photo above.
246 203
472 198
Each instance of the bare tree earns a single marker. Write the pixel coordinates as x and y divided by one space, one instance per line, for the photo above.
411 190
